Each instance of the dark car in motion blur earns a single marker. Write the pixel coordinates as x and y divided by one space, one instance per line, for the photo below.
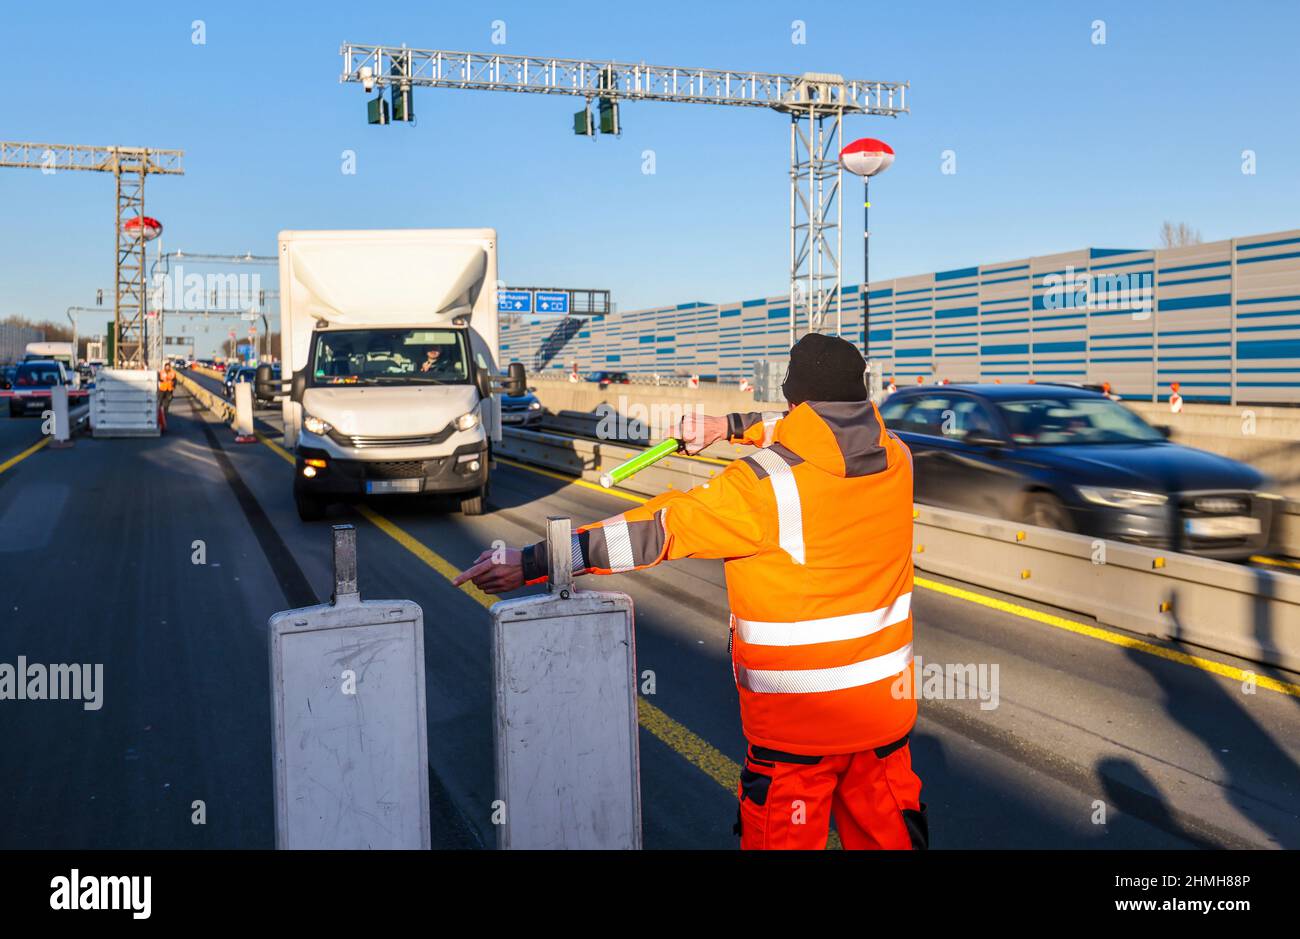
521 410
1073 460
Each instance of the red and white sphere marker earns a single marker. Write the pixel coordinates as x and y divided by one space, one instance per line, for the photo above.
867 156
142 226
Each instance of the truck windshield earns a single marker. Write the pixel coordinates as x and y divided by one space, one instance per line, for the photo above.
390 356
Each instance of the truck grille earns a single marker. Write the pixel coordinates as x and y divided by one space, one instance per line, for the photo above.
363 442
401 469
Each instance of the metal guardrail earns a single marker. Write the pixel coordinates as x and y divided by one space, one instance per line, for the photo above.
1244 611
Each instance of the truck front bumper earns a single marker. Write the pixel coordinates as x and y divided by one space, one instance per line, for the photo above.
464 470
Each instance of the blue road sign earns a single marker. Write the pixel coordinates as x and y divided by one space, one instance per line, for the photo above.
552 301
514 301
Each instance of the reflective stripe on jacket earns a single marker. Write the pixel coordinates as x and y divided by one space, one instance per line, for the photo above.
815 528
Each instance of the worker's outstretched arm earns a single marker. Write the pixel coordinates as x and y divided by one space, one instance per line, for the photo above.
719 519
756 428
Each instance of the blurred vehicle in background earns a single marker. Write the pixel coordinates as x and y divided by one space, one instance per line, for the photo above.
7 376
228 382
33 383
1073 460
605 379
521 410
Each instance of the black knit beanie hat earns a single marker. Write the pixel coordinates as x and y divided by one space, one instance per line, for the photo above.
825 368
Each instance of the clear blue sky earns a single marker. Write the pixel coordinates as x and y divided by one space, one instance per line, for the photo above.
1060 143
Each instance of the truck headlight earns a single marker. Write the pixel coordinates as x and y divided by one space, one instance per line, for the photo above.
535 406
467 421
1121 498
315 425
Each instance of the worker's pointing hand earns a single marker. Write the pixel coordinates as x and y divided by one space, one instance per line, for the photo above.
497 570
700 430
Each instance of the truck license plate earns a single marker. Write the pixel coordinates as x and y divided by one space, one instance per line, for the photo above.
1227 526
394 485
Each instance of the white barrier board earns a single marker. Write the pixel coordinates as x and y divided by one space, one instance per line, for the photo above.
565 728
350 736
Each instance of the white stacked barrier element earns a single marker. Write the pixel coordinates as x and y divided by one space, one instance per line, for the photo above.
124 403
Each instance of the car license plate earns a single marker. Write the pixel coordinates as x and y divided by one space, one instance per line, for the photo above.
394 485
512 418
1226 526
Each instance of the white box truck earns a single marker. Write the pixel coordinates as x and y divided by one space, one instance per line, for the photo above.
389 349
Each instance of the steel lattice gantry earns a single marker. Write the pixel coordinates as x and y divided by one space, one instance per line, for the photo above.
816 103
129 166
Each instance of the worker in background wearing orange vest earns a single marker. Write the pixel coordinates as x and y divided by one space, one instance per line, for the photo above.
815 528
166 386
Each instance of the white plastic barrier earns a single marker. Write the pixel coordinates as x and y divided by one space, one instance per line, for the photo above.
565 728
124 403
350 745
244 412
62 430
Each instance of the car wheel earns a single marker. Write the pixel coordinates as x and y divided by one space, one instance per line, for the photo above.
310 508
474 502
1044 510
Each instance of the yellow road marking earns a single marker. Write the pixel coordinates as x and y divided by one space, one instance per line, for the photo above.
1275 562
690 746
1105 635
15 460
1048 619
573 481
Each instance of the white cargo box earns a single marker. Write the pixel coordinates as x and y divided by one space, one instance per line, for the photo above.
565 729
124 403
350 742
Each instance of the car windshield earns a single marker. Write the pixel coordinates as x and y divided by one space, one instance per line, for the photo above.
44 375
390 356
1050 421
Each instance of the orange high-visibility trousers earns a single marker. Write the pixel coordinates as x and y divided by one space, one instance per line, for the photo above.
787 800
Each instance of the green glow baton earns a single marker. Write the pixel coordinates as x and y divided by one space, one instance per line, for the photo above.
640 462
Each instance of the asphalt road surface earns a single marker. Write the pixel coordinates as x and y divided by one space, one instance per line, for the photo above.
1092 743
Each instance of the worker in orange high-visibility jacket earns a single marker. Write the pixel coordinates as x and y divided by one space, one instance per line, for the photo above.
815 528
166 386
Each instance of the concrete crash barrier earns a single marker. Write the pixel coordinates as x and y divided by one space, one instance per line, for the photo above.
590 458
207 399
565 730
1244 611
350 740
124 403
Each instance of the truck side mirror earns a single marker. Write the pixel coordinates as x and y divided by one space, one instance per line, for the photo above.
265 383
298 387
516 382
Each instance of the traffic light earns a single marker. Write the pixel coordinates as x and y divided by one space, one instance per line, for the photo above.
609 116
377 110
400 70
583 125
402 110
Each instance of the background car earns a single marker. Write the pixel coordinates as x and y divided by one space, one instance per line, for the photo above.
32 384
521 410
7 375
1073 460
228 381
605 379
